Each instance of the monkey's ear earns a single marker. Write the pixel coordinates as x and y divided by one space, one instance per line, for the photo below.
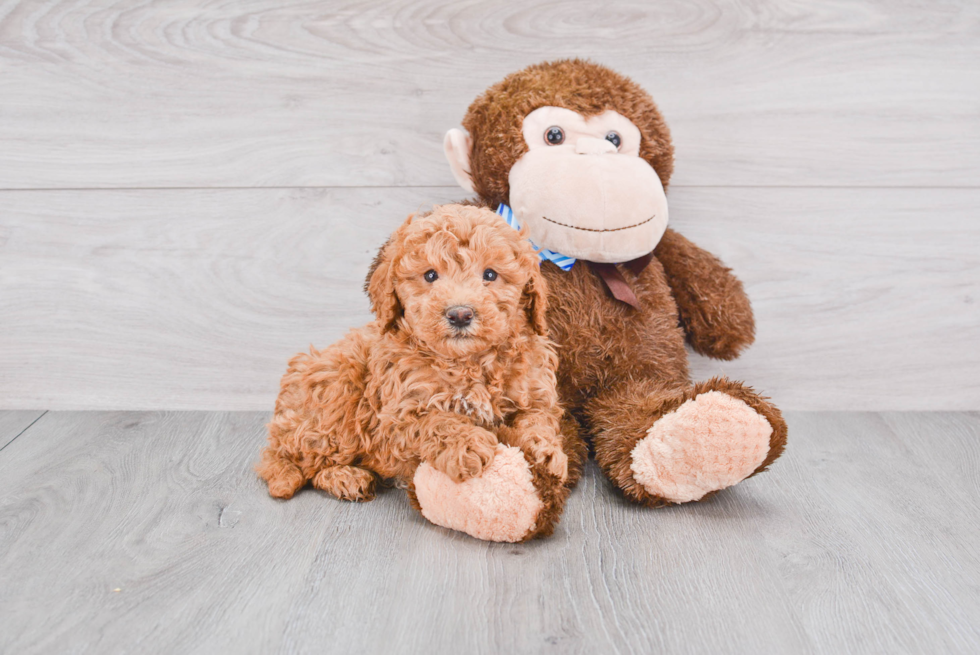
457 145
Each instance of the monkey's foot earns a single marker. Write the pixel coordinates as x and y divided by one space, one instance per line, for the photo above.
503 504
708 443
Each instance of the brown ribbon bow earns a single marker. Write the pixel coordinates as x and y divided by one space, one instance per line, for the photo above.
616 283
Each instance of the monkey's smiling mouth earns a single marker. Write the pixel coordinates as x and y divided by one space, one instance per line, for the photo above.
589 229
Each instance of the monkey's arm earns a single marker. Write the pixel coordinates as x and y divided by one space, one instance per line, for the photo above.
714 310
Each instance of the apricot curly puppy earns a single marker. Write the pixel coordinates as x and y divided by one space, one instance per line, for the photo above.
456 361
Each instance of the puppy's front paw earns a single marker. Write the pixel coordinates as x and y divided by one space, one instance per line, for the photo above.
545 450
558 464
468 457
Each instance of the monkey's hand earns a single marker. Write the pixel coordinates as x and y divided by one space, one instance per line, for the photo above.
713 306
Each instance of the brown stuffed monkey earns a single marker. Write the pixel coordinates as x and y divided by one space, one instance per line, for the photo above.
580 156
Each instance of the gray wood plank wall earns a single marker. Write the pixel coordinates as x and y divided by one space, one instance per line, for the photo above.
190 192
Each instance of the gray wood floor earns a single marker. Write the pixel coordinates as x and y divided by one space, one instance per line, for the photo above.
149 532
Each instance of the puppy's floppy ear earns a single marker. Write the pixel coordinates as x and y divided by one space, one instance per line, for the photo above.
534 299
374 266
380 285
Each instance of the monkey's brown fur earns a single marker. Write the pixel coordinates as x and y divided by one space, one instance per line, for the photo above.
410 387
620 368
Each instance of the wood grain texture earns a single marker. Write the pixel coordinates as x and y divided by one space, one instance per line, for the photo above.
865 298
860 540
14 422
269 93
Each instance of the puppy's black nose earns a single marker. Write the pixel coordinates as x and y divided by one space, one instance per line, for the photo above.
459 316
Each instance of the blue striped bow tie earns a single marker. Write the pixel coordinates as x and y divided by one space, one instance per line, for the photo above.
563 262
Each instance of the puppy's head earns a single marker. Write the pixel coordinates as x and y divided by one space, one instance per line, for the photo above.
460 280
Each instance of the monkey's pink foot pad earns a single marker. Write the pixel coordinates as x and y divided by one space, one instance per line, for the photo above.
709 443
500 505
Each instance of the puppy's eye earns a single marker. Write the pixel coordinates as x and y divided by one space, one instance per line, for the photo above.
431 275
489 275
554 135
613 138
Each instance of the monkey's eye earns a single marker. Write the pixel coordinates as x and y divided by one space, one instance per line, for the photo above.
489 275
431 275
613 138
554 135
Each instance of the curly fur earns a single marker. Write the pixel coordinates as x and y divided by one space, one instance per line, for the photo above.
411 387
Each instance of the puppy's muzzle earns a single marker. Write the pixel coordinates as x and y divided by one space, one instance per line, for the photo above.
459 316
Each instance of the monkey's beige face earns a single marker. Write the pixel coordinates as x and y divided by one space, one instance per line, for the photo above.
582 188
461 283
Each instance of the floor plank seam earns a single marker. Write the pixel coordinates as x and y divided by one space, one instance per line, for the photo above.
2 448
860 187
